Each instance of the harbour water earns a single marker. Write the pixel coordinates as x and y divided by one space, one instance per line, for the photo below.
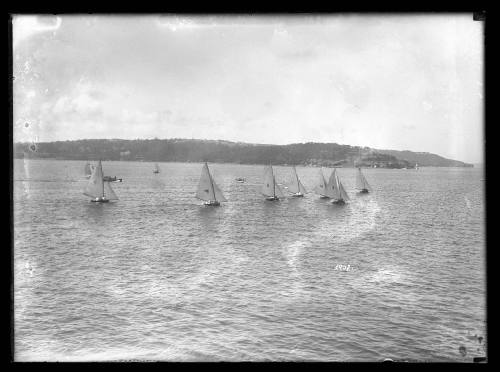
158 276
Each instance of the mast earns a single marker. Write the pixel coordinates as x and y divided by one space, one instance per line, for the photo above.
211 182
337 183
102 180
296 178
339 187
274 182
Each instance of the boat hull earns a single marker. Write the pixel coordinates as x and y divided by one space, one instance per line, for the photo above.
364 191
212 203
324 197
338 202
99 200
272 198
298 195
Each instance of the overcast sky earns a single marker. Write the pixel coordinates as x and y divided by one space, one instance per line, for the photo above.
402 82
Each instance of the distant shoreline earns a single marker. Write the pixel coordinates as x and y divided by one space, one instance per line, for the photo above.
194 150
234 163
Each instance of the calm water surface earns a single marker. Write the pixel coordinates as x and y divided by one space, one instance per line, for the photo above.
158 276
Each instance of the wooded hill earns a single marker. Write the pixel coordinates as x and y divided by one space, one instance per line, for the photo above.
217 151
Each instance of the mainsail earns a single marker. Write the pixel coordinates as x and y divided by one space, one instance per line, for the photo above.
218 193
331 187
157 168
269 187
95 186
361 182
108 192
321 188
296 185
340 193
277 189
207 188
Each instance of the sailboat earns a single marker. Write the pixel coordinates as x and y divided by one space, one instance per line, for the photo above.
321 188
416 166
208 189
157 168
88 170
336 189
296 188
269 188
99 190
361 183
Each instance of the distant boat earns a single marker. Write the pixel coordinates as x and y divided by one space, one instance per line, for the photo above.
157 168
269 188
362 183
240 179
416 166
208 189
321 188
335 190
88 170
99 190
296 188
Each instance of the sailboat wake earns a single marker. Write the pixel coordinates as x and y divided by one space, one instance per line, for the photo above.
361 220
293 251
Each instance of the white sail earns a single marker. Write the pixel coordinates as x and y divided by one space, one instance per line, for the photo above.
218 193
108 192
341 193
207 190
331 187
277 190
320 189
157 168
296 185
302 189
95 186
269 186
361 182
